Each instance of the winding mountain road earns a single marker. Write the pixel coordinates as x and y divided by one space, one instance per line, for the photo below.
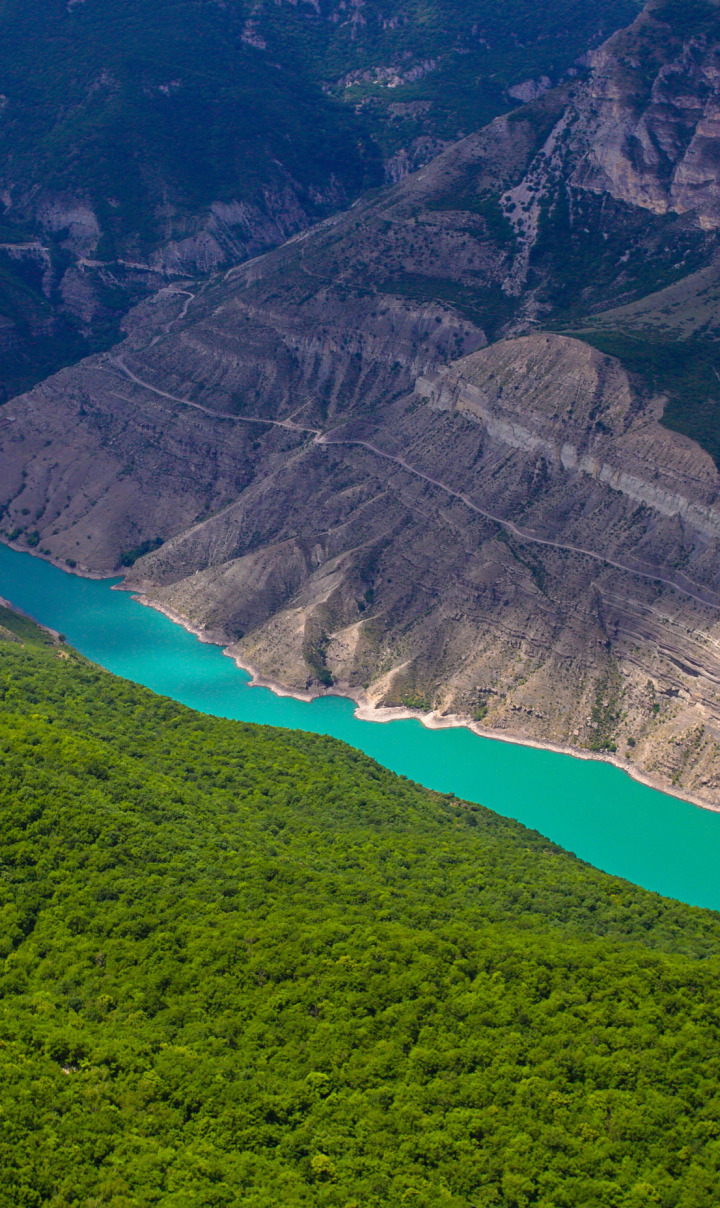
327 439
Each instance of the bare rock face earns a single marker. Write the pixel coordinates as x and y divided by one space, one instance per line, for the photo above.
650 119
459 558
141 442
369 470
560 399
518 542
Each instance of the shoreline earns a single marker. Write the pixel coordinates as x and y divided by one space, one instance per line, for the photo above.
365 710
54 633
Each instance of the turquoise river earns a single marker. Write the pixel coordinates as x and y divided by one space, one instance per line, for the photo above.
589 807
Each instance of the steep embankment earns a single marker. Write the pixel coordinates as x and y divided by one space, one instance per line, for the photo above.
518 542
236 959
496 550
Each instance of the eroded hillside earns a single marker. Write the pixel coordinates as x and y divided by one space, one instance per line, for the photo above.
366 461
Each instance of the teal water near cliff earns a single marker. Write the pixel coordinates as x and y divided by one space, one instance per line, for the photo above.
590 808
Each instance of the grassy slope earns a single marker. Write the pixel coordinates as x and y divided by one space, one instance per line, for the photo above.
248 966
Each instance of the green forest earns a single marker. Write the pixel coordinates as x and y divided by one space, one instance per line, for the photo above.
247 966
128 100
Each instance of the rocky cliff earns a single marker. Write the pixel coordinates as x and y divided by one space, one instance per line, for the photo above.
649 125
357 460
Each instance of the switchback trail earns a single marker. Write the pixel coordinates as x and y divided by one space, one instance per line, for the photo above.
326 439
515 529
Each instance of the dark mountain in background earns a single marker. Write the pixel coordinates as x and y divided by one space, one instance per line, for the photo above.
141 142
145 140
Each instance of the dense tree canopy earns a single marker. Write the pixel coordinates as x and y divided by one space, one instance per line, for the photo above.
247 966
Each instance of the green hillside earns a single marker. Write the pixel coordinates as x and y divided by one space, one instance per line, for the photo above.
142 113
134 103
247 966
437 68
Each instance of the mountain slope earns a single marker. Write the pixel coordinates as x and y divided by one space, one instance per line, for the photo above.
141 141
523 543
238 960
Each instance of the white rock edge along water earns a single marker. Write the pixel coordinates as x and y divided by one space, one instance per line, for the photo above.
365 710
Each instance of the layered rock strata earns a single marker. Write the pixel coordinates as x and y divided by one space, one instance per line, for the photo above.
370 471
518 542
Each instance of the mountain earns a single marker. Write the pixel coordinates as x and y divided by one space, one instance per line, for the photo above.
441 451
141 142
144 141
240 963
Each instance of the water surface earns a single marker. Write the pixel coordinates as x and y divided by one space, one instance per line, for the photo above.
591 808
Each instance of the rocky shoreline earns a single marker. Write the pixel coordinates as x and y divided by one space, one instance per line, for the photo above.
367 710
